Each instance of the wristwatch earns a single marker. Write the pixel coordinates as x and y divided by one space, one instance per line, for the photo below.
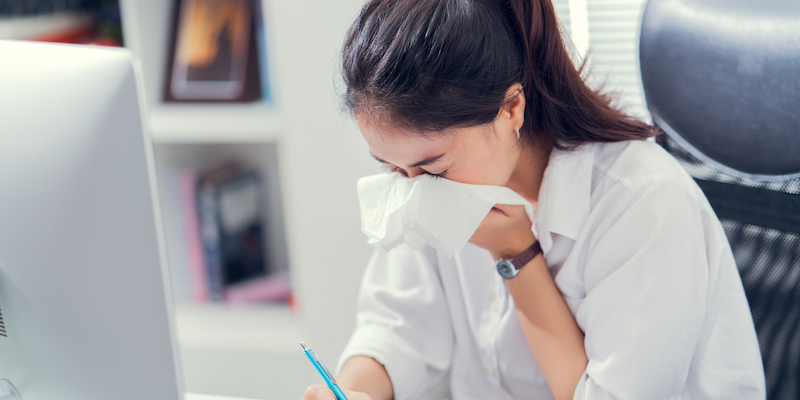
510 268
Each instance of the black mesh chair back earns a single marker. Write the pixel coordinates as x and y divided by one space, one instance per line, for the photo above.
722 80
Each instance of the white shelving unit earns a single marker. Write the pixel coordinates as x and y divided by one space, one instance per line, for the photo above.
243 123
310 156
200 135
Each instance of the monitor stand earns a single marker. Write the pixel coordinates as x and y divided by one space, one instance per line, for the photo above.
7 391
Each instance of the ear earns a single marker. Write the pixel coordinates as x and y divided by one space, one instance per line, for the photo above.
514 108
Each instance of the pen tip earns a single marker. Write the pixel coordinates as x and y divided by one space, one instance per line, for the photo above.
303 345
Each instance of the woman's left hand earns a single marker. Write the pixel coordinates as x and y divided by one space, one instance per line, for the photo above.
505 232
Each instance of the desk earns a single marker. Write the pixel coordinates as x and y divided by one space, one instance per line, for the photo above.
251 352
198 396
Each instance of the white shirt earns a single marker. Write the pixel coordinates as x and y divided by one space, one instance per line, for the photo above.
642 262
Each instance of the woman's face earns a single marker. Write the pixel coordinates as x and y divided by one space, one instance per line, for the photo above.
484 155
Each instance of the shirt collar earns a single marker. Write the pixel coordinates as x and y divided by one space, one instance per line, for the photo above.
564 197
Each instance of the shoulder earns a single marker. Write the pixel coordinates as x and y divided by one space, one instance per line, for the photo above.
638 167
639 185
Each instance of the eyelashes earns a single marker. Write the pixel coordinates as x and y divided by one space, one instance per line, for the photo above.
401 171
395 169
439 175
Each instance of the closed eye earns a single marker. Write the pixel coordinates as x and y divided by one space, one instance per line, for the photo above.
392 169
439 175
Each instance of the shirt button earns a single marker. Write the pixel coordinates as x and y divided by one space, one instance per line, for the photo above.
489 369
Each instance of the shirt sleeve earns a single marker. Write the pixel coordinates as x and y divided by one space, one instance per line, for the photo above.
648 282
403 320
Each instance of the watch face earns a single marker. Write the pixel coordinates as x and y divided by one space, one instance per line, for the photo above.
506 269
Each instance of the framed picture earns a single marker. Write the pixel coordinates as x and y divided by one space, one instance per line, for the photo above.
213 54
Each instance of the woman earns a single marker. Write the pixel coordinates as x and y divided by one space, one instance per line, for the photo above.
635 295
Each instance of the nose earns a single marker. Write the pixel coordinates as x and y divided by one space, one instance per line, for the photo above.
412 174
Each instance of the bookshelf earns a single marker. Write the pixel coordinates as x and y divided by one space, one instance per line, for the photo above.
243 123
311 157
197 136
244 351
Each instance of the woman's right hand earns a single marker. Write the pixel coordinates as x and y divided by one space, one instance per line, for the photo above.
321 392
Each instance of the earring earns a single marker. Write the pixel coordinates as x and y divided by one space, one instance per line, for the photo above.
517 132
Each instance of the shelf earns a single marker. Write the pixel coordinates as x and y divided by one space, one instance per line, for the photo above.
214 123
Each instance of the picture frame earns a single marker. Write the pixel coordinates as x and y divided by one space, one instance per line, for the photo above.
213 52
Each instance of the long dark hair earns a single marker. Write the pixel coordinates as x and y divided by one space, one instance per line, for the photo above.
430 65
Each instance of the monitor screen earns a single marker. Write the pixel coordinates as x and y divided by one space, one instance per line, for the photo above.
84 299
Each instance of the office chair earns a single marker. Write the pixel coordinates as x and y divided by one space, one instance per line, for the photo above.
722 79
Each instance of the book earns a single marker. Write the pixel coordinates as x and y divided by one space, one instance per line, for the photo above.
194 257
62 27
230 208
267 288
95 22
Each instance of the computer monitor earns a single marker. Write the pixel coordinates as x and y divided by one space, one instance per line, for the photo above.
84 299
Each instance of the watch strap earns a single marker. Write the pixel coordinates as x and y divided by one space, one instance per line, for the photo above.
527 255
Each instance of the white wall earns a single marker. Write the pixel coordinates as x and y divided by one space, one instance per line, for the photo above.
321 157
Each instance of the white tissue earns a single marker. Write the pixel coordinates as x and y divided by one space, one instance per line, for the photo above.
425 209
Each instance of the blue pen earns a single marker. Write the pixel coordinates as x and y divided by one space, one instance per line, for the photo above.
324 372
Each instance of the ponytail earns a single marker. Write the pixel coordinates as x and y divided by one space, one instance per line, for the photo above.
561 107
429 65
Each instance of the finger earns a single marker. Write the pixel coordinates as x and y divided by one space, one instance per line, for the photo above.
499 210
515 211
318 392
351 395
510 209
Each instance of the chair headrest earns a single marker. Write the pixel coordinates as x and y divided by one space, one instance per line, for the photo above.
723 77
